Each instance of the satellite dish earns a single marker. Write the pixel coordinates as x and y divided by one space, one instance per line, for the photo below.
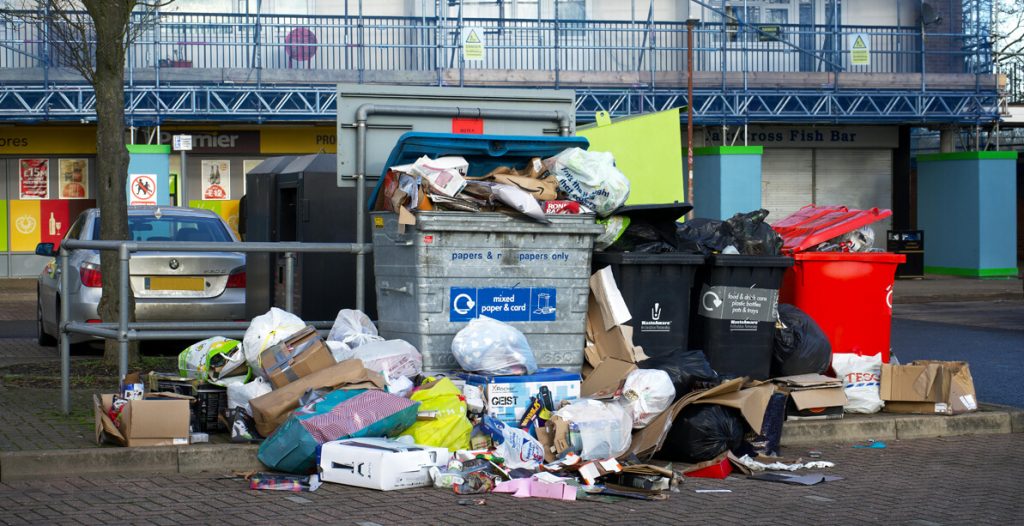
928 15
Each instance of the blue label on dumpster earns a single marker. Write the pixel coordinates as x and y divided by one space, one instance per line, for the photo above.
508 305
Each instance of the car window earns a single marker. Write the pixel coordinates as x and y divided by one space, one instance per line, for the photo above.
75 231
172 228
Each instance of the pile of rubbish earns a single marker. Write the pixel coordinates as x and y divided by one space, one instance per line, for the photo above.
574 181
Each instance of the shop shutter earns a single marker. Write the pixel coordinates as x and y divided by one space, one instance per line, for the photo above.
786 181
857 179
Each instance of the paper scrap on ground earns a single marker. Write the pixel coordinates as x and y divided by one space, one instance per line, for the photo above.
792 478
754 465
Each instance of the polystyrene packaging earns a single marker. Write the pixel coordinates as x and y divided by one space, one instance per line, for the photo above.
489 346
605 428
646 393
266 330
353 328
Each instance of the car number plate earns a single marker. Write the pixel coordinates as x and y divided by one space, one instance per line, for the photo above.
175 283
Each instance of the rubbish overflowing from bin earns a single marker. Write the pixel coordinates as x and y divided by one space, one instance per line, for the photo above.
507 360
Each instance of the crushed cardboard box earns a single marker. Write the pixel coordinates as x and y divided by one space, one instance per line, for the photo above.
299 355
751 402
928 387
611 355
161 419
813 396
272 409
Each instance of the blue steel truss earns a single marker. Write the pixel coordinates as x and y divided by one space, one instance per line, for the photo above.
156 105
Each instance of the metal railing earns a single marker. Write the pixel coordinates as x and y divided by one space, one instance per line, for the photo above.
125 331
258 42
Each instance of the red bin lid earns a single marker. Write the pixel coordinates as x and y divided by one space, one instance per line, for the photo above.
812 225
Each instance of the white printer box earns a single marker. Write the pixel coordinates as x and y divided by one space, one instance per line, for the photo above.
379 463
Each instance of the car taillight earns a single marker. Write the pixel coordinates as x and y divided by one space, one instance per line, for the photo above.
236 280
91 276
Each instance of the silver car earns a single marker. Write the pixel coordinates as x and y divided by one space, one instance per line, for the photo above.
172 285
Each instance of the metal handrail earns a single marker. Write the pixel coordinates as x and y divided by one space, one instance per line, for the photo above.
125 331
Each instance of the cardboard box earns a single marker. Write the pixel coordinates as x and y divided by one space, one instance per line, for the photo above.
272 409
158 420
928 387
299 355
813 396
508 397
379 463
611 355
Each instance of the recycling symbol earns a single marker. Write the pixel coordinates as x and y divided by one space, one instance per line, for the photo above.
463 304
715 301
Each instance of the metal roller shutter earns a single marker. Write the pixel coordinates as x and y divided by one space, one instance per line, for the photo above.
857 179
786 181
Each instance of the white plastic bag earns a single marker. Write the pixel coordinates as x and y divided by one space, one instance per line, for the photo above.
340 351
266 330
517 447
861 380
646 393
489 346
240 394
590 178
605 429
353 328
398 357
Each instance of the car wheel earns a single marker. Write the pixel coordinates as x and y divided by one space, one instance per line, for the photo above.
42 338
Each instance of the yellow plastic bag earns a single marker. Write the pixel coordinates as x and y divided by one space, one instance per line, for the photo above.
451 428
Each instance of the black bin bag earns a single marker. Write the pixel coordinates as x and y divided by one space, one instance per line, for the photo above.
800 347
702 432
689 370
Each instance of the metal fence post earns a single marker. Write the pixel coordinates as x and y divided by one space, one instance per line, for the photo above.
289 281
122 313
62 337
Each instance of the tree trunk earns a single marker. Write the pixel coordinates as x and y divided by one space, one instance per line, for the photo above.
111 157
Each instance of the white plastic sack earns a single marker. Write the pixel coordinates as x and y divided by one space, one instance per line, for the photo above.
605 428
340 351
646 393
861 380
240 394
489 346
590 178
353 328
398 357
266 330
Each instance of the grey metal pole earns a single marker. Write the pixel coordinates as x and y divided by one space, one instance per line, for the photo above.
289 281
122 314
65 345
182 186
360 212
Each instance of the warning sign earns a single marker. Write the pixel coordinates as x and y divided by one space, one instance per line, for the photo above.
141 189
860 49
473 44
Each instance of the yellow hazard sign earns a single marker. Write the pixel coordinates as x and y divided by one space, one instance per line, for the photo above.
860 49
473 46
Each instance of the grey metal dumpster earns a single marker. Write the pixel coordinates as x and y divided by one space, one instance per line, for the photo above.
454 266
451 267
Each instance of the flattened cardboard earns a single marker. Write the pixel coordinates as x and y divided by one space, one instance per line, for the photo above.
607 379
155 421
649 440
613 307
820 397
928 387
272 409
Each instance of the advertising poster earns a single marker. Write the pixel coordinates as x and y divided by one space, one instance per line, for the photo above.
3 226
25 231
74 179
141 189
216 180
34 178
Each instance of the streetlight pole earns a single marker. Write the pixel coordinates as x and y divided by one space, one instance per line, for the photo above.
689 108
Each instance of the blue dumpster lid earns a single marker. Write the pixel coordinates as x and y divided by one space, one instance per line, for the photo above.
483 152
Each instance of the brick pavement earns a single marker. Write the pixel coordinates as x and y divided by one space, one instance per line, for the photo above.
958 480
